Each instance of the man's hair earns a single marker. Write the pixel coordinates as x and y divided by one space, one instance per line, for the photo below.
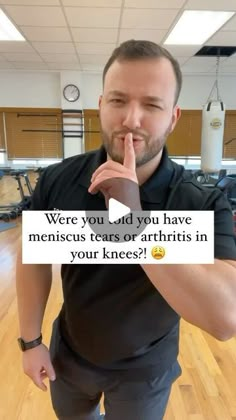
139 50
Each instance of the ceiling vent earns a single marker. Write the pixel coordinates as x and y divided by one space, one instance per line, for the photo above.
208 51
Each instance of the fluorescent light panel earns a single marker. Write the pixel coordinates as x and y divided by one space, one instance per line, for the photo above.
8 32
196 26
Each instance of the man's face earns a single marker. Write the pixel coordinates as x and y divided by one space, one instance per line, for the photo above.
138 97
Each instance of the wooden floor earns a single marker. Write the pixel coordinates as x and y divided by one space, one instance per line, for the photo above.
205 391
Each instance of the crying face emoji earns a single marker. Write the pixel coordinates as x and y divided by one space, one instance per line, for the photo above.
158 252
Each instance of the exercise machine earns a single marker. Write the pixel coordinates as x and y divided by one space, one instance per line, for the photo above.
13 210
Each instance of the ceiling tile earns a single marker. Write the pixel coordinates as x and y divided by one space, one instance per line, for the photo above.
204 61
229 72
92 18
92 67
63 66
31 2
14 46
227 67
54 47
93 59
191 70
22 57
148 34
4 65
92 3
223 38
30 66
227 5
231 59
154 4
38 33
228 63
182 50
224 71
199 64
231 25
60 58
94 35
148 18
38 16
182 60
94 48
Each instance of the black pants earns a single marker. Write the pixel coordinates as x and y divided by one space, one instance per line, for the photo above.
78 388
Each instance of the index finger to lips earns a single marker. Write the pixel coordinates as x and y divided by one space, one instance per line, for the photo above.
129 158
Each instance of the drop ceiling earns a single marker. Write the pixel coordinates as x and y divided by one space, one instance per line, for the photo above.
81 34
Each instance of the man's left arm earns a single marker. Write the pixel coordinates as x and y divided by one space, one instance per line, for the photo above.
204 295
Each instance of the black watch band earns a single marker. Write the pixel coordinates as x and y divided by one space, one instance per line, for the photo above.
27 345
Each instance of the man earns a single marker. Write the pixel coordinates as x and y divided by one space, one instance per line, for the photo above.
117 331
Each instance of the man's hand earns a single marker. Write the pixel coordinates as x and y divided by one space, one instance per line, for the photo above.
38 366
119 181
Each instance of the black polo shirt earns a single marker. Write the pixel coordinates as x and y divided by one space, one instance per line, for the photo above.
112 315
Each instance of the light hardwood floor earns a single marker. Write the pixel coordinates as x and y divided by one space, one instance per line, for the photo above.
205 391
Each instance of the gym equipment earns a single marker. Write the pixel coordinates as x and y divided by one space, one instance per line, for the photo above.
12 211
213 118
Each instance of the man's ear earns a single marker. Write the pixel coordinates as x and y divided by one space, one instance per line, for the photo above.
175 117
99 101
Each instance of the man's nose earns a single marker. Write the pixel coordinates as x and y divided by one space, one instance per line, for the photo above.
132 117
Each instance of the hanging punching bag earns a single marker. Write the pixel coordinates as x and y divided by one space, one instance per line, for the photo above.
213 118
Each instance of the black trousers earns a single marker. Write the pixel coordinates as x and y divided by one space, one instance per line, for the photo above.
77 390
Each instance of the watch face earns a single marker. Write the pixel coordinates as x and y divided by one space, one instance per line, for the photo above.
71 93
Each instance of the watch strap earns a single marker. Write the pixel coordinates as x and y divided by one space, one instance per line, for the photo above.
27 345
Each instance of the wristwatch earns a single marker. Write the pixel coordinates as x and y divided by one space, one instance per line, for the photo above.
27 345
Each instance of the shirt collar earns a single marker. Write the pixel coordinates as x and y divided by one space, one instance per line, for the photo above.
93 161
154 190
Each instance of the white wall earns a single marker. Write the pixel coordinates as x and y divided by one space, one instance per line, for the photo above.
30 89
44 89
194 94
196 90
91 89
33 89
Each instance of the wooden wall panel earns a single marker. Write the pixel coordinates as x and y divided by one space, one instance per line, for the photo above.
185 140
34 134
92 135
230 135
2 134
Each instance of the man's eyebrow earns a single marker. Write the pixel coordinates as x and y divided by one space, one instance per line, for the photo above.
120 94
116 93
153 98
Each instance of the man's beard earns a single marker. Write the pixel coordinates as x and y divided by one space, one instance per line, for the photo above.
151 150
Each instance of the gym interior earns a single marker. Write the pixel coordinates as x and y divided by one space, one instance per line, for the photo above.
50 83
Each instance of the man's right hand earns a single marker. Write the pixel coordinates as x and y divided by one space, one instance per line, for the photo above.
38 366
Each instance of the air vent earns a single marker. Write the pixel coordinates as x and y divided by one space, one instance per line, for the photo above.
208 51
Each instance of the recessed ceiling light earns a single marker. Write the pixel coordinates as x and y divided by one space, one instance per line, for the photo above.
196 26
8 32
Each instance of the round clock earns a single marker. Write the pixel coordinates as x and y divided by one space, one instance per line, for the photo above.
71 93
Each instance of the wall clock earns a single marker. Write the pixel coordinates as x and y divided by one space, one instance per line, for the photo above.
71 93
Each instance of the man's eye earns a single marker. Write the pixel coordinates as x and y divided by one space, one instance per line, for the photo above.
116 101
154 106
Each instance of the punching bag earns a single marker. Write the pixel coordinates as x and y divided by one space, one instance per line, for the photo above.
213 118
